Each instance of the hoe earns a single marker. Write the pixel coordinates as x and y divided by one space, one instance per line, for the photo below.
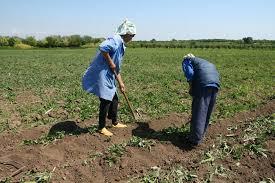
137 115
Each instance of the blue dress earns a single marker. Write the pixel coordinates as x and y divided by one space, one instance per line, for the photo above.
99 78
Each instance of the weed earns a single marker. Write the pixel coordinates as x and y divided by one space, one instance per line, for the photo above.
92 129
153 176
139 142
257 132
62 70
208 157
256 149
268 180
237 152
45 139
5 180
176 130
4 125
178 174
39 177
91 158
225 148
208 177
220 170
114 152
175 175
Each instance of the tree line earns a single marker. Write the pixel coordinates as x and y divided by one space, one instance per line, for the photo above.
49 41
245 43
77 41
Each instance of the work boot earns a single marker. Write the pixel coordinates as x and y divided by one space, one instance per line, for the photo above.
106 132
190 142
119 125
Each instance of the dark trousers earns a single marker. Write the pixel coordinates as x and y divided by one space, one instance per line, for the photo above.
109 107
202 107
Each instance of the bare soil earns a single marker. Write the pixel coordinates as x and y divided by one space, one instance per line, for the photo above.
72 158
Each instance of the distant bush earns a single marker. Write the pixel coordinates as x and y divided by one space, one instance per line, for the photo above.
89 45
30 41
4 41
14 40
22 46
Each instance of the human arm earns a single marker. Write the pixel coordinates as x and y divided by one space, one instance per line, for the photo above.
120 82
109 60
113 67
188 70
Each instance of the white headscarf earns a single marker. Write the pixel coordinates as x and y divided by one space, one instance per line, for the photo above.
126 27
189 55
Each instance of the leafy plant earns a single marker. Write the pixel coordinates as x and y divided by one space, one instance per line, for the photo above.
62 69
92 129
39 177
139 142
208 157
114 152
175 175
45 139
257 149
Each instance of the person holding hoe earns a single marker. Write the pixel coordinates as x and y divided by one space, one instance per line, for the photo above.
204 83
99 78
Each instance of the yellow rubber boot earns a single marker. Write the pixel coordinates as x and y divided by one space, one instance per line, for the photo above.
120 125
106 132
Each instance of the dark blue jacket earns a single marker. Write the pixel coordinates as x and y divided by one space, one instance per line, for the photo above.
203 74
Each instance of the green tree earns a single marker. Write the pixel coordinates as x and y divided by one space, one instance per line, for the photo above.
87 39
30 41
14 40
65 41
248 40
52 41
75 41
97 40
42 43
4 41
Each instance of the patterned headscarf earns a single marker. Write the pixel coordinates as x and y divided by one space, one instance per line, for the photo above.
126 27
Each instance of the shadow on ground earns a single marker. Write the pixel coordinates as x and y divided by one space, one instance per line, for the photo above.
70 127
177 136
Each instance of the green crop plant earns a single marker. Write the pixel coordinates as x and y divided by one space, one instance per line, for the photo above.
175 174
45 139
54 76
114 152
38 177
208 157
139 142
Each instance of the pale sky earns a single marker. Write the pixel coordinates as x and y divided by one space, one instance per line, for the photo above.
158 19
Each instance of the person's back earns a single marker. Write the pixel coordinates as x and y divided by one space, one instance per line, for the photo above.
205 74
204 82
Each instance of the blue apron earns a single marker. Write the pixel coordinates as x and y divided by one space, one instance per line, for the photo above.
99 78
